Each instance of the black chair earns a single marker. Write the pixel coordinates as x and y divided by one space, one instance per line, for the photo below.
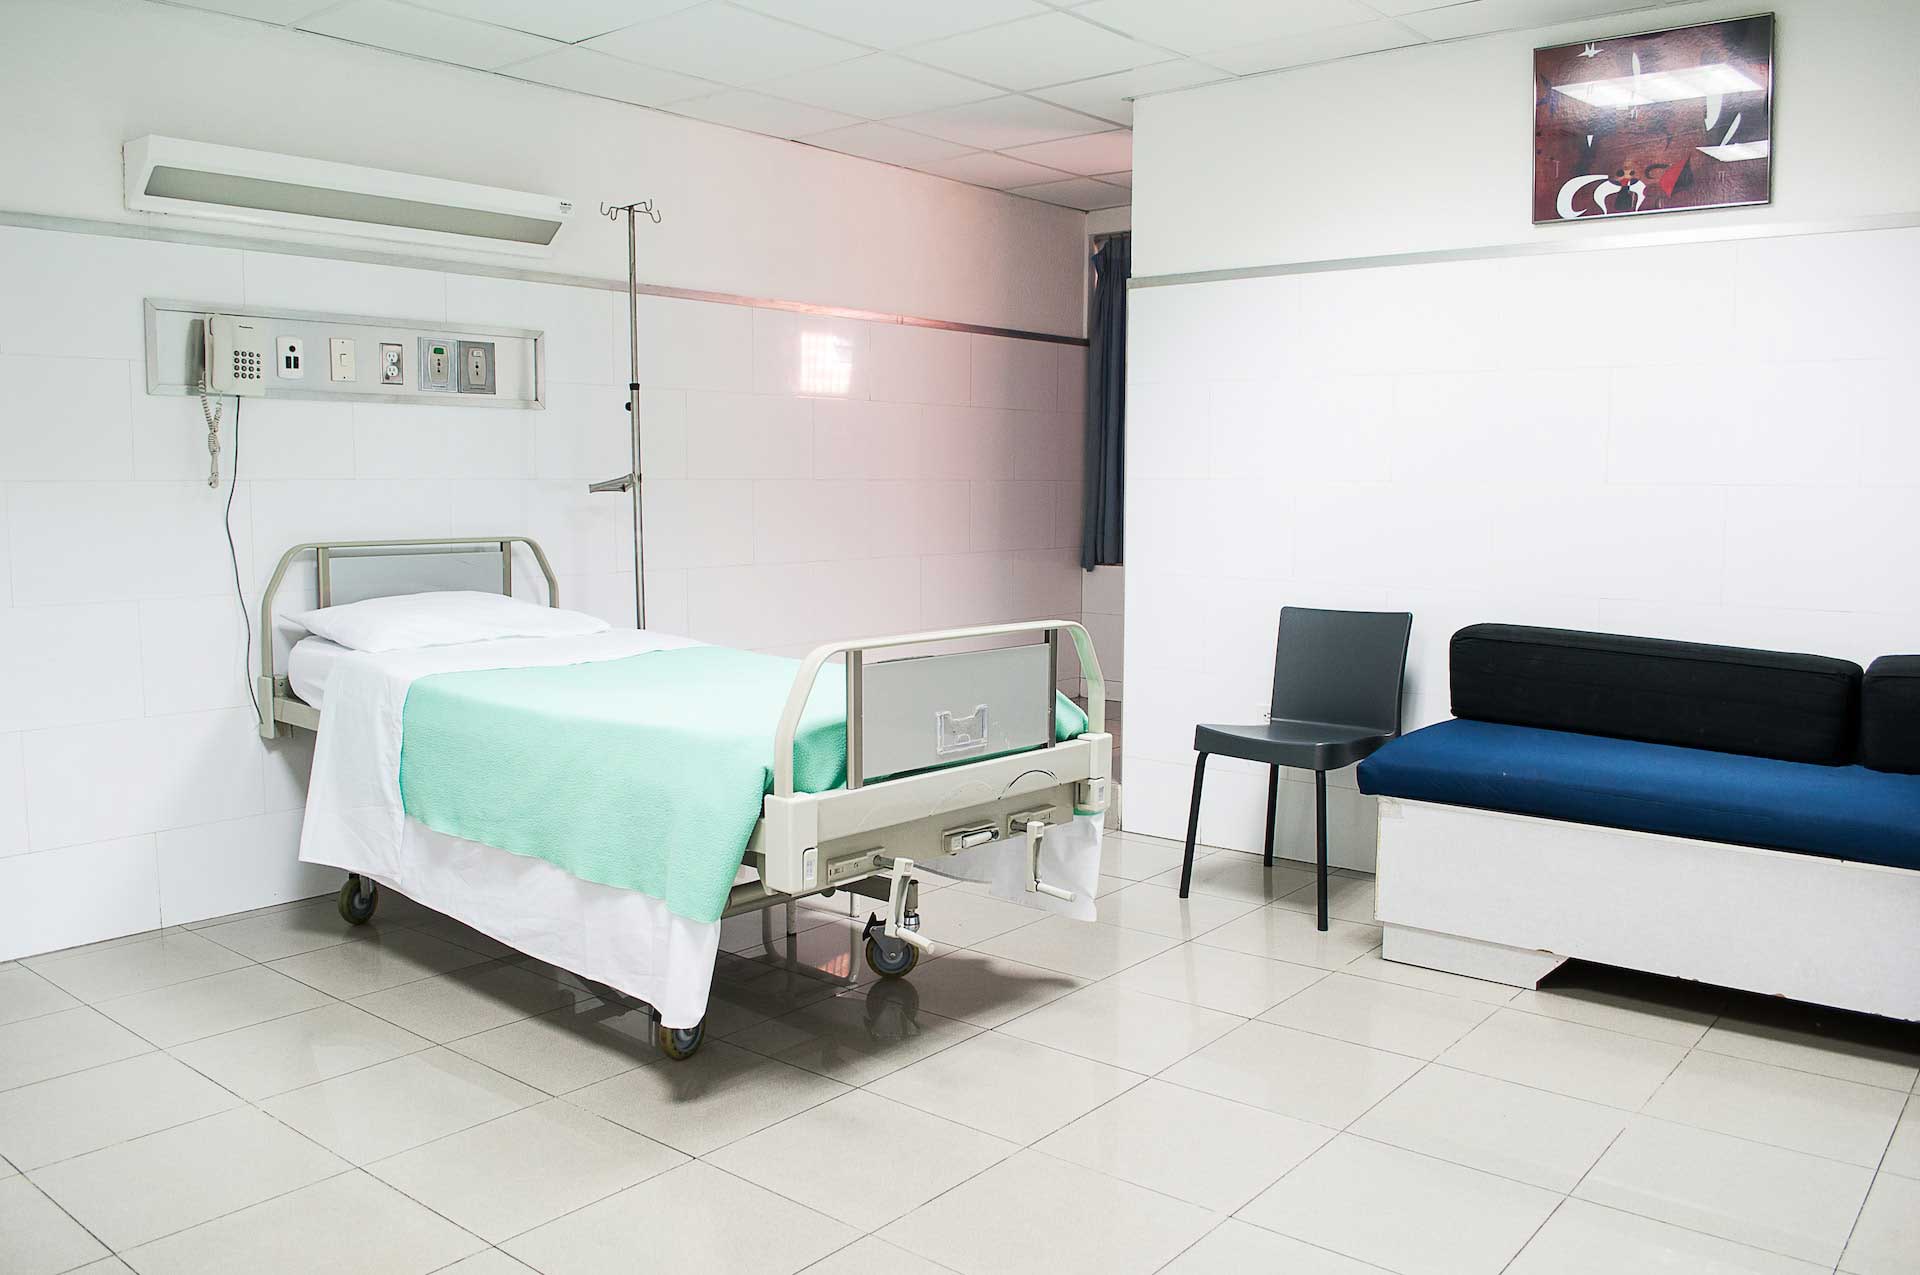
1337 677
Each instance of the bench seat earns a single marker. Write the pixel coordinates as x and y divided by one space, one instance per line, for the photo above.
1841 812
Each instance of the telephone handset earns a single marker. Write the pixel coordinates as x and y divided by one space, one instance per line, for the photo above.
234 361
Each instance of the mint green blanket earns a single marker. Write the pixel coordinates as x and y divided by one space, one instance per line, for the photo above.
645 773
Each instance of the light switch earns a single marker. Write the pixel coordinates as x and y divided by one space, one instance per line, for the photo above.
340 358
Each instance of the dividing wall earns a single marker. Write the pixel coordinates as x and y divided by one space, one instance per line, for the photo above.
1703 431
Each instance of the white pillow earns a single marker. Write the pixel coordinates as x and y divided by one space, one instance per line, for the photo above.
410 620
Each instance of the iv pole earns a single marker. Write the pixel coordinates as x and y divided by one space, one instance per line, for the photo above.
630 481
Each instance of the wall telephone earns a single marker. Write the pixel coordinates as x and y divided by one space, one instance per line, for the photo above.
235 358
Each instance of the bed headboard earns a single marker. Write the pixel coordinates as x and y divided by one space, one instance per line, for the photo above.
352 570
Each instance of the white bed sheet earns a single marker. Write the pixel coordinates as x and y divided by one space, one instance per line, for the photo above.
308 665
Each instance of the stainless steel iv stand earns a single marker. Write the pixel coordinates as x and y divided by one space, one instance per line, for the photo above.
630 481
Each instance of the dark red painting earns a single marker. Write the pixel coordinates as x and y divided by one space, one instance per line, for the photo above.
1653 123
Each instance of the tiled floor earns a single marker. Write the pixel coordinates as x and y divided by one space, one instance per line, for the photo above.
1200 1087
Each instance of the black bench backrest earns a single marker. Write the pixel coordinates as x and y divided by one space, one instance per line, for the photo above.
1890 715
1725 698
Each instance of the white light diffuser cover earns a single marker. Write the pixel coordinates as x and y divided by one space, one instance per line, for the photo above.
229 183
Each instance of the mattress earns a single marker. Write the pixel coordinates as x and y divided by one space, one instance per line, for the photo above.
1840 812
308 665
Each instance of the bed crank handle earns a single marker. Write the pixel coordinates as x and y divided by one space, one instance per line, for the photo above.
1036 828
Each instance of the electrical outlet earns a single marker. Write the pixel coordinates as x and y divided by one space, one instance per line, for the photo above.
292 358
392 364
476 367
340 358
436 364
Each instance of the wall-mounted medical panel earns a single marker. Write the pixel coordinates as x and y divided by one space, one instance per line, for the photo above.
271 353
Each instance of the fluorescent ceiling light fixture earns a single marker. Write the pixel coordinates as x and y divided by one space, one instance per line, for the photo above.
1661 86
228 183
1739 151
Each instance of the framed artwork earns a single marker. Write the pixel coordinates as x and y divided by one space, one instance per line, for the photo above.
1660 122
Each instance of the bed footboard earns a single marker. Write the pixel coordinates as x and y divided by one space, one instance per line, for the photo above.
945 752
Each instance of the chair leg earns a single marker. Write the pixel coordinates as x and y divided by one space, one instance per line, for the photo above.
1193 825
1273 799
1320 837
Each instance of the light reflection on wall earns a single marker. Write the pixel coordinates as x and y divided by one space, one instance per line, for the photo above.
826 363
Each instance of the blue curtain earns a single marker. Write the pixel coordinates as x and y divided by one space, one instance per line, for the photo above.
1101 534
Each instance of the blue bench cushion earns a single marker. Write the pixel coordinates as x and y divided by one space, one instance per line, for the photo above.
1843 812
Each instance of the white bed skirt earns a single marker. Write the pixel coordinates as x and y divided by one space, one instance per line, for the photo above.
631 941
623 938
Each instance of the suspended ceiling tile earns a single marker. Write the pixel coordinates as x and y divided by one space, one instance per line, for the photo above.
892 24
1110 96
1079 192
405 29
1201 26
567 20
759 113
1118 179
878 86
1002 172
1478 17
1050 49
278 12
1315 46
1086 156
887 144
1001 122
584 71
719 42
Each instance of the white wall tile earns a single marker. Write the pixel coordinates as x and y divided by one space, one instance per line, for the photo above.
288 762
65 417
78 894
218 868
104 541
797 520
1829 296
1050 445
64 665
919 365
13 796
1824 549
163 772
193 654
1105 591
868 439
1010 373
276 439
968 443
582 436
688 345
294 511
1109 643
81 295
344 287
810 355
699 523
749 436
1012 515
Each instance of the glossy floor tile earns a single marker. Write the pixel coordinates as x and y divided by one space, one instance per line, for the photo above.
1192 1086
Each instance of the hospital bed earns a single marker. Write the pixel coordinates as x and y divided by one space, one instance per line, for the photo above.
952 764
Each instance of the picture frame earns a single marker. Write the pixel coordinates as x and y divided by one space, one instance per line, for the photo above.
1675 120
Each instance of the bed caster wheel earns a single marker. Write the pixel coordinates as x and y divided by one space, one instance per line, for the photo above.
358 898
891 958
681 1043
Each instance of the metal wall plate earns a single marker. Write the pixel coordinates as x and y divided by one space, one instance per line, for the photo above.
175 334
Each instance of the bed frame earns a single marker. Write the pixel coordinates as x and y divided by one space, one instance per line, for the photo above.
947 749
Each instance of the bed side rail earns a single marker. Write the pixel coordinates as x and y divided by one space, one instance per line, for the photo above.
276 702
855 651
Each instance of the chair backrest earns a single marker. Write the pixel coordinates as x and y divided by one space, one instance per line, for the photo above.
1345 667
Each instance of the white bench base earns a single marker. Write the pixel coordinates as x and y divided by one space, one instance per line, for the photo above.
1509 897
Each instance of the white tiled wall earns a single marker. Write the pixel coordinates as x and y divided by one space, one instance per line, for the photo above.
1715 442
940 486
1103 611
